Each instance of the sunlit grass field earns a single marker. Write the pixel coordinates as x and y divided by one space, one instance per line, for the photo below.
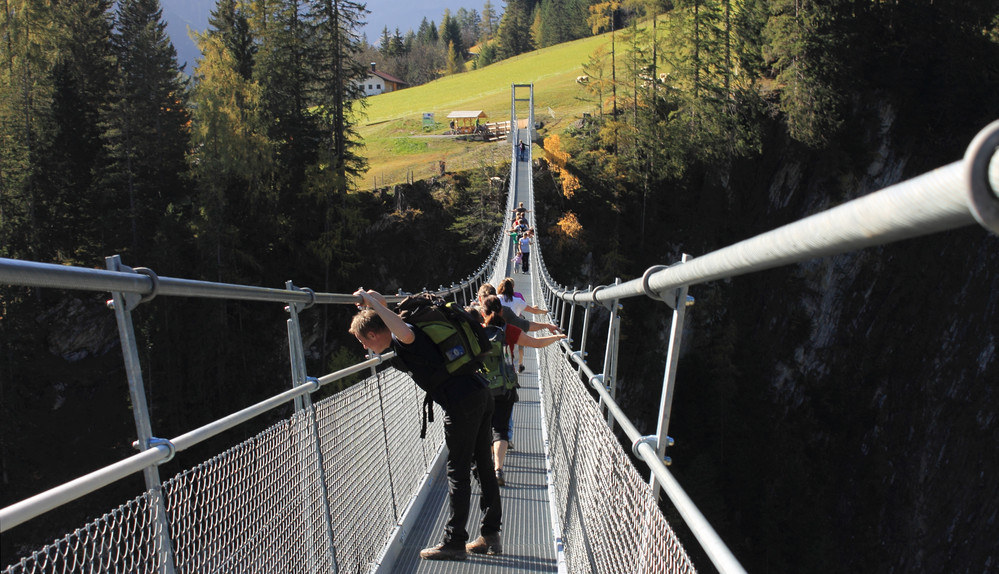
398 147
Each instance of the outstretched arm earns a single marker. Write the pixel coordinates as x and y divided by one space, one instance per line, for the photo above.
539 326
526 340
394 322
535 310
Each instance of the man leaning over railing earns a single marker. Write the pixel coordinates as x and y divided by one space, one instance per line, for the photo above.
468 409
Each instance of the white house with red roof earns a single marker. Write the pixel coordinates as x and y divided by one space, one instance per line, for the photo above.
380 83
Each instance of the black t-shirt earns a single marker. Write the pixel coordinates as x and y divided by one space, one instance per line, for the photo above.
423 360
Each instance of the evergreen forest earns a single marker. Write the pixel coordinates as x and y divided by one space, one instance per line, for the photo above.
711 121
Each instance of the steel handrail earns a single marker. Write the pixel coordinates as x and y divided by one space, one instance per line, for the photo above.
35 274
953 196
946 198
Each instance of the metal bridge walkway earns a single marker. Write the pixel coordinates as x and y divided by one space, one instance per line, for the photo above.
528 541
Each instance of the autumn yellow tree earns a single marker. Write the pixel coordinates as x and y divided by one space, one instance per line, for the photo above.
558 160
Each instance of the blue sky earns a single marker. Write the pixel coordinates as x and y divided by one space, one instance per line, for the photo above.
403 14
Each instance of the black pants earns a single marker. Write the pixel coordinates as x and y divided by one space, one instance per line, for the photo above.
501 418
526 258
468 435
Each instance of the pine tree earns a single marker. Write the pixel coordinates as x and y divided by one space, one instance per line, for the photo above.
73 159
145 126
537 30
337 87
399 44
490 22
455 63
563 21
230 23
450 34
336 96
427 33
231 156
801 44
487 55
514 34
26 94
470 24
280 69
385 43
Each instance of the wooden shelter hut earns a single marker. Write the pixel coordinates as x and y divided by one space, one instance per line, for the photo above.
466 122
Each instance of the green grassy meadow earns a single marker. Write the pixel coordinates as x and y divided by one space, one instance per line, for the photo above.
397 147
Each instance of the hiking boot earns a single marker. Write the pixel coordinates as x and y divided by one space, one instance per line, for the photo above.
521 368
499 478
486 545
443 551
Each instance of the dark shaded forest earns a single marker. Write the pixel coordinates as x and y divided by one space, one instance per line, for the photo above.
819 426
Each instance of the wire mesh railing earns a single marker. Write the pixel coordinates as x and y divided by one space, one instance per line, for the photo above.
608 516
257 507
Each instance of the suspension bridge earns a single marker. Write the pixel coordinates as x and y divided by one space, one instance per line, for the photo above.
346 485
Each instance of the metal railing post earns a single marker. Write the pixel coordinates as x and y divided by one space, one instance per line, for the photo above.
587 313
305 410
610 353
123 303
572 317
679 304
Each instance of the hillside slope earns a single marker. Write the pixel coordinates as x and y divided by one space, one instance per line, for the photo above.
396 144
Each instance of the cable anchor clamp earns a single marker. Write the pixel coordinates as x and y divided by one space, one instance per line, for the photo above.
669 296
314 382
131 299
609 304
154 442
597 381
312 297
651 440
978 161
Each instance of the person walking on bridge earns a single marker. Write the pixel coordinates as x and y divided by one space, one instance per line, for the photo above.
468 410
524 244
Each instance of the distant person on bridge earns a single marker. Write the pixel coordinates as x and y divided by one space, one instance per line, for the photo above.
524 245
521 212
523 151
468 411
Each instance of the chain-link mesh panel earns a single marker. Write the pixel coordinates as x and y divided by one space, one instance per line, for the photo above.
253 507
608 517
259 506
124 540
374 461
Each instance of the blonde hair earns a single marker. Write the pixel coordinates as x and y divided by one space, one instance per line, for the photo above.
366 321
486 290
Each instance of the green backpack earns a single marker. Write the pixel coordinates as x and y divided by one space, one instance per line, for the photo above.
457 334
498 366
